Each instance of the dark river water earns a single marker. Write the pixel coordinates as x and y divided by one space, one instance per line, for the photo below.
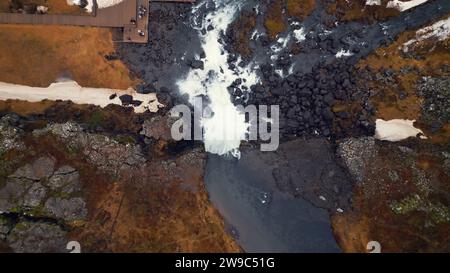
263 218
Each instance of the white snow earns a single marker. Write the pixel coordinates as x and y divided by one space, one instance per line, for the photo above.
396 129
402 6
101 4
439 30
223 131
71 91
343 53
300 34
373 2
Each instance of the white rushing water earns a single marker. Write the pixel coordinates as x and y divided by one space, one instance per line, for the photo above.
343 53
224 131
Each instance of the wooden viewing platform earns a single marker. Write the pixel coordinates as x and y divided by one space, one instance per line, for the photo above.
123 15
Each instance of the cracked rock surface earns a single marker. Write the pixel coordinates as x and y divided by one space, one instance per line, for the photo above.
36 188
32 237
103 151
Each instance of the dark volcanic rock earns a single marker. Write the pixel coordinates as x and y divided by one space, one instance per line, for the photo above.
197 64
436 106
126 99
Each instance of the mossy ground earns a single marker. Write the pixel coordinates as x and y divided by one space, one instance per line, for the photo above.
406 212
401 100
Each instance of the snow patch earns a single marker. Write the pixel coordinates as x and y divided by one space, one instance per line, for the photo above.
71 91
396 129
101 4
402 6
343 53
299 34
373 2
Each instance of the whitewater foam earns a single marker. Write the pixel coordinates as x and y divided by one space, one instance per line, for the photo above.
224 131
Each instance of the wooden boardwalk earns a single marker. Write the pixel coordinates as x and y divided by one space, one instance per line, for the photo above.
123 15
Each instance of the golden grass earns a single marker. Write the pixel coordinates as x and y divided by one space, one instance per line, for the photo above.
39 55
54 6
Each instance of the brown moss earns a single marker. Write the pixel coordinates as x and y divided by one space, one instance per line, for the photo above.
357 10
113 118
25 108
300 8
274 20
242 29
352 233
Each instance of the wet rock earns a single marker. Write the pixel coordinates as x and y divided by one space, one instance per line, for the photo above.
197 64
301 168
164 97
